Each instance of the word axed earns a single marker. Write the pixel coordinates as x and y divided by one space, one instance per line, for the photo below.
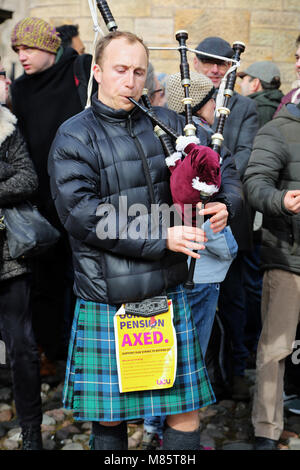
141 339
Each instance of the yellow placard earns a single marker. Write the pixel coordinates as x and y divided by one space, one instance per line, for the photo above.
146 350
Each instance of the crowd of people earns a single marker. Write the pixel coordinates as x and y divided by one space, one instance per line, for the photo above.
78 163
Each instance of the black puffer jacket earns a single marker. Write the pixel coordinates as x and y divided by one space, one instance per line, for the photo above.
96 157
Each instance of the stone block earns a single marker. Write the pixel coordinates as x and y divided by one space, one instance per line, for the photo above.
56 11
284 46
121 8
74 446
180 5
162 12
257 53
164 54
155 30
262 37
291 5
274 19
255 4
231 25
166 66
47 3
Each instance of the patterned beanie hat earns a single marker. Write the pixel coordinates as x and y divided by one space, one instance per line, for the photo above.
36 33
201 91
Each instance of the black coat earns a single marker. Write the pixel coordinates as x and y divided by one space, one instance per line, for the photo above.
18 182
96 157
42 102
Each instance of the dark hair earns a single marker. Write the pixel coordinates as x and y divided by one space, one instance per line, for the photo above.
298 41
67 32
273 85
104 42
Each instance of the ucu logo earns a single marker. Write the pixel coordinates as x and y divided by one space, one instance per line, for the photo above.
163 381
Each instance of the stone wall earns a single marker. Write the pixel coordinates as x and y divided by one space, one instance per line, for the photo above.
20 8
267 27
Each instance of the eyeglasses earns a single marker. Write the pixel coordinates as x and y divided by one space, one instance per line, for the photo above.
210 62
159 90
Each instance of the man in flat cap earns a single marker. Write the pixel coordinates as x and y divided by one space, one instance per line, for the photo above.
261 82
239 132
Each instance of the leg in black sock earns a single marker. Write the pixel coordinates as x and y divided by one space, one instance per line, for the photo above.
109 437
181 440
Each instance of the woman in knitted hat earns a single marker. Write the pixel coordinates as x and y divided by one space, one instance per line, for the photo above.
36 42
52 89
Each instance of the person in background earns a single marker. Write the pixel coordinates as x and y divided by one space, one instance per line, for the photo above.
293 96
69 35
18 182
221 248
156 91
260 82
292 376
212 266
272 182
49 92
239 132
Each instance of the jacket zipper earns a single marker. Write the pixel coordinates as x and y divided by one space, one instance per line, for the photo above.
144 161
149 184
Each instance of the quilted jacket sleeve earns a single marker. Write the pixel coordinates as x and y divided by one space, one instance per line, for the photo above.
267 160
18 179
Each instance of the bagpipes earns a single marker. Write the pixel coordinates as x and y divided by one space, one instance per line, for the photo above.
195 169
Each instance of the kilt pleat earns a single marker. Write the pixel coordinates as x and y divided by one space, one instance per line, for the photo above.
91 387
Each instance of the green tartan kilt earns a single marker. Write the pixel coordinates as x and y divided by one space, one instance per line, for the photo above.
91 385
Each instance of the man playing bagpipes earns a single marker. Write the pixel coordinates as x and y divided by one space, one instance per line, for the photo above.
106 152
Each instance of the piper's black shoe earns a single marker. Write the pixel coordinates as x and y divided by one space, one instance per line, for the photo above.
263 443
32 438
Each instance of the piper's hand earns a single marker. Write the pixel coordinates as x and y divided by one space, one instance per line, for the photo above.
185 239
292 201
220 214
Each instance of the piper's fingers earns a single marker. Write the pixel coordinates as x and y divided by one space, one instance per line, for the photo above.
195 236
217 227
221 217
191 253
194 246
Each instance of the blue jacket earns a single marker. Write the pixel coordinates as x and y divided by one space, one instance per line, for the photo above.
220 250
